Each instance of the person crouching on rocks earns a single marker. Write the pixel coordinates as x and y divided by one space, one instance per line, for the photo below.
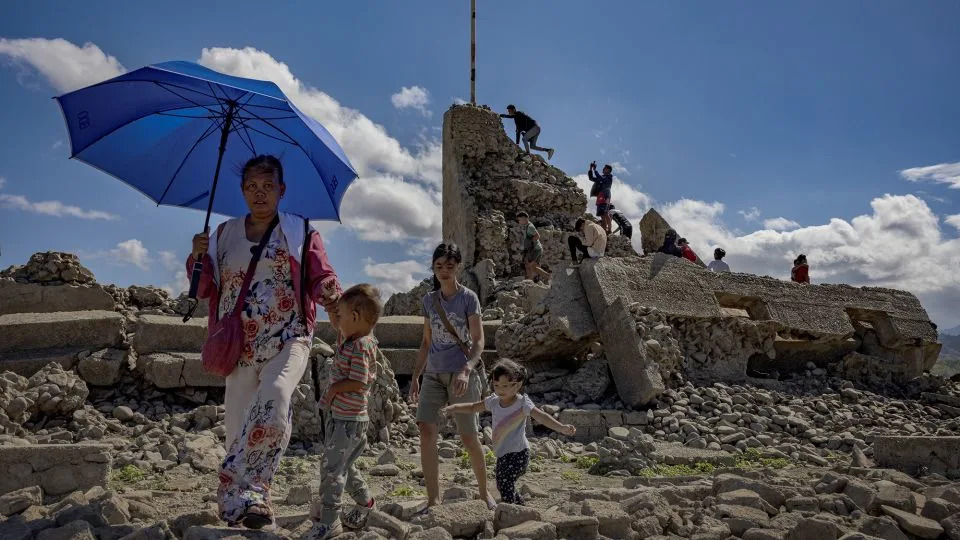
800 273
278 315
510 410
593 245
450 364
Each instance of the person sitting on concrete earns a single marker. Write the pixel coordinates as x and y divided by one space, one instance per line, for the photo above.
532 249
528 128
602 184
594 243
670 246
624 226
686 250
800 273
717 264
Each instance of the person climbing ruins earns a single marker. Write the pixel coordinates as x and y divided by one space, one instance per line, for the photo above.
528 129
593 245
510 410
624 227
277 313
602 186
717 264
686 250
452 370
532 249
670 246
800 273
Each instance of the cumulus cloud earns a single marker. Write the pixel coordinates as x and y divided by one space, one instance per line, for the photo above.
750 215
170 260
900 245
66 66
397 196
50 208
629 200
412 97
953 220
942 173
780 224
619 168
395 277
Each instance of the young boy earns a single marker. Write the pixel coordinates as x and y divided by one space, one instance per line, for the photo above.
532 249
345 427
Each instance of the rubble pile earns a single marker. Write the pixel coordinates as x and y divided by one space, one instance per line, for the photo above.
720 349
50 268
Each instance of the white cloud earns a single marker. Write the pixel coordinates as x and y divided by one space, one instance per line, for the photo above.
412 97
780 224
898 245
953 220
66 66
460 101
51 208
170 260
629 200
750 215
397 196
395 277
132 251
619 168
943 173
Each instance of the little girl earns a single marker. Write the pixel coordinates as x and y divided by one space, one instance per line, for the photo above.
510 410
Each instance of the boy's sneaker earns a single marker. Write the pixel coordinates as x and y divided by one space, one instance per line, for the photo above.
322 531
550 153
357 518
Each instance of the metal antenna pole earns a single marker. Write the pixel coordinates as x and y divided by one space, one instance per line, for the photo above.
473 52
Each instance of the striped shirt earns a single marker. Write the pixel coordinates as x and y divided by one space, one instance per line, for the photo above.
509 424
356 360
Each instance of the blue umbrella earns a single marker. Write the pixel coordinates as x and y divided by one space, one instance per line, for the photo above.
164 129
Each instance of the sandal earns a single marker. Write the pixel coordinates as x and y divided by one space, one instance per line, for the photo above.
256 516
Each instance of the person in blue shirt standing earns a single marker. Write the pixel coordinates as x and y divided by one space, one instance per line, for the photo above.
528 128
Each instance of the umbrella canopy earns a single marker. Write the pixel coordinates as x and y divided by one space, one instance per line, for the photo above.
161 129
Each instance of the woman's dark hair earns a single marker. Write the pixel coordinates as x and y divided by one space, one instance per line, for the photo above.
801 258
264 163
579 224
670 234
514 371
444 251
719 253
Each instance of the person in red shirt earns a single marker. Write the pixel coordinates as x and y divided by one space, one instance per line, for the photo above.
687 250
800 272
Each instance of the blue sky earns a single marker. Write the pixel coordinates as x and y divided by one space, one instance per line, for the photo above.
825 128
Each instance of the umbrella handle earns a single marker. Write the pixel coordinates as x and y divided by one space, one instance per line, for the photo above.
194 285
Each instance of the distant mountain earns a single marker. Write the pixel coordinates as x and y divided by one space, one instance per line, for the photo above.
955 331
949 362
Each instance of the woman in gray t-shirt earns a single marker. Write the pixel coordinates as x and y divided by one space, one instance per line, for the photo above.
450 366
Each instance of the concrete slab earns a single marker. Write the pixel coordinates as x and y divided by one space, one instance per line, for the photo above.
35 298
402 332
29 362
176 370
57 468
677 454
70 329
157 333
939 455
403 360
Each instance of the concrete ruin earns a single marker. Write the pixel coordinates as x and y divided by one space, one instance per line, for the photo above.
729 327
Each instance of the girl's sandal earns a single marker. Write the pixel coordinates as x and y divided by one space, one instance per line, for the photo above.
256 516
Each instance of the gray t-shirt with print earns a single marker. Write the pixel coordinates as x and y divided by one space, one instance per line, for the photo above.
445 355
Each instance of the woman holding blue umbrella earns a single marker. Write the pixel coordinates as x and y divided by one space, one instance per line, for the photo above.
276 329
166 130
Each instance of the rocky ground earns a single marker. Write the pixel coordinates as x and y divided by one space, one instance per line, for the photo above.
791 461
